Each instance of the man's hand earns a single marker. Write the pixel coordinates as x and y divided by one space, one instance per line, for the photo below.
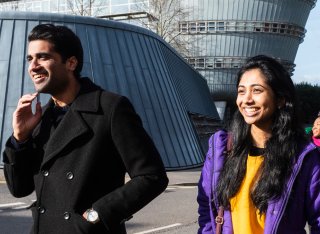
24 121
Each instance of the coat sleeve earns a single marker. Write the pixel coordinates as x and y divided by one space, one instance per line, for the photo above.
142 162
205 194
19 166
313 195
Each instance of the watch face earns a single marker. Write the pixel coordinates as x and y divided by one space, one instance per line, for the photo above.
92 216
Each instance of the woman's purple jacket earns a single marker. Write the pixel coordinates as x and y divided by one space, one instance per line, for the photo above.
298 204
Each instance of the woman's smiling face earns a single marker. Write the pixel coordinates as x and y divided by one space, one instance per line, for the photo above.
316 128
256 100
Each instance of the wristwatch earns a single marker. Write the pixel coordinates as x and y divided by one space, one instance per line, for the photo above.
92 216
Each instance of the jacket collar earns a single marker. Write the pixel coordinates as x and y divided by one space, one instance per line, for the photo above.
88 97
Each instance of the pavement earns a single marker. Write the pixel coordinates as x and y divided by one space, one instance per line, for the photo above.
187 177
2 180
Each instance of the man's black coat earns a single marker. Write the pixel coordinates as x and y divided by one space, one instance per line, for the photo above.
82 163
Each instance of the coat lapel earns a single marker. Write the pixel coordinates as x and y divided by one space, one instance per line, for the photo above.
72 126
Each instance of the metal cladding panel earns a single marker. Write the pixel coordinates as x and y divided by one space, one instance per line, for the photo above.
249 44
294 11
244 33
121 58
192 89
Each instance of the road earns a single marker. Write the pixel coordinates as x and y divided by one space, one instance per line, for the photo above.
174 211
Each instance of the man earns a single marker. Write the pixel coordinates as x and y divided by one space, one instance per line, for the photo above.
74 151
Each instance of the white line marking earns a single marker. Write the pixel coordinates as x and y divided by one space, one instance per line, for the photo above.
180 187
159 228
21 207
11 204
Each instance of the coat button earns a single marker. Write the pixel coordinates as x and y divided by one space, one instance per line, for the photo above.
45 173
66 215
70 175
42 210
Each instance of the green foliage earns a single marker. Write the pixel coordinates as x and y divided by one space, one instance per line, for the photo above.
309 98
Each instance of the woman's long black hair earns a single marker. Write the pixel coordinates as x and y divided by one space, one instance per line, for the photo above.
280 148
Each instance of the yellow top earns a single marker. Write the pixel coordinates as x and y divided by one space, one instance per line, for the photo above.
245 216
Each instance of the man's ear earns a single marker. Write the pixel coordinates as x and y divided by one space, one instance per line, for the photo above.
72 63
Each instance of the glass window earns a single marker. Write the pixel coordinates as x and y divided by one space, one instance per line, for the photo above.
37 7
250 27
183 27
220 26
119 9
28 6
211 26
201 26
231 26
240 26
218 63
137 7
45 5
193 27
117 2
100 11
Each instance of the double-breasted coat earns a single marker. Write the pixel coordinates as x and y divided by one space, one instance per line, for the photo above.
81 164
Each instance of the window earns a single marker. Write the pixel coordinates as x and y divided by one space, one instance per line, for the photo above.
218 63
193 27
240 26
202 26
200 63
220 26
183 27
211 26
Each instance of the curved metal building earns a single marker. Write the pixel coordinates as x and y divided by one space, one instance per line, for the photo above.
224 33
122 58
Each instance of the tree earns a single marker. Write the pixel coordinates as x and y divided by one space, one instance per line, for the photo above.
164 20
309 98
83 7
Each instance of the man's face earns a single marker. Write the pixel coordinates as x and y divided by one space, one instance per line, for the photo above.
316 128
46 69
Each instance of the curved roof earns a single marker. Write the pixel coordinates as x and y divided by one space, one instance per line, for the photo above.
122 58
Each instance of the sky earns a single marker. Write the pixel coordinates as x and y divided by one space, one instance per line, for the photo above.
308 56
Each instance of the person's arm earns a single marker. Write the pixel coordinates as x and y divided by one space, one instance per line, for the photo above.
204 188
143 164
19 156
204 219
18 167
313 195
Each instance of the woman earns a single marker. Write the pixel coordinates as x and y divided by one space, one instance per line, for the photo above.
268 180
316 132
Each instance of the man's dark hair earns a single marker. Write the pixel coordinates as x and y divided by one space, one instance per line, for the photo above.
65 41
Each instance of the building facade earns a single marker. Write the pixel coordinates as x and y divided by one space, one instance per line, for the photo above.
171 97
218 35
